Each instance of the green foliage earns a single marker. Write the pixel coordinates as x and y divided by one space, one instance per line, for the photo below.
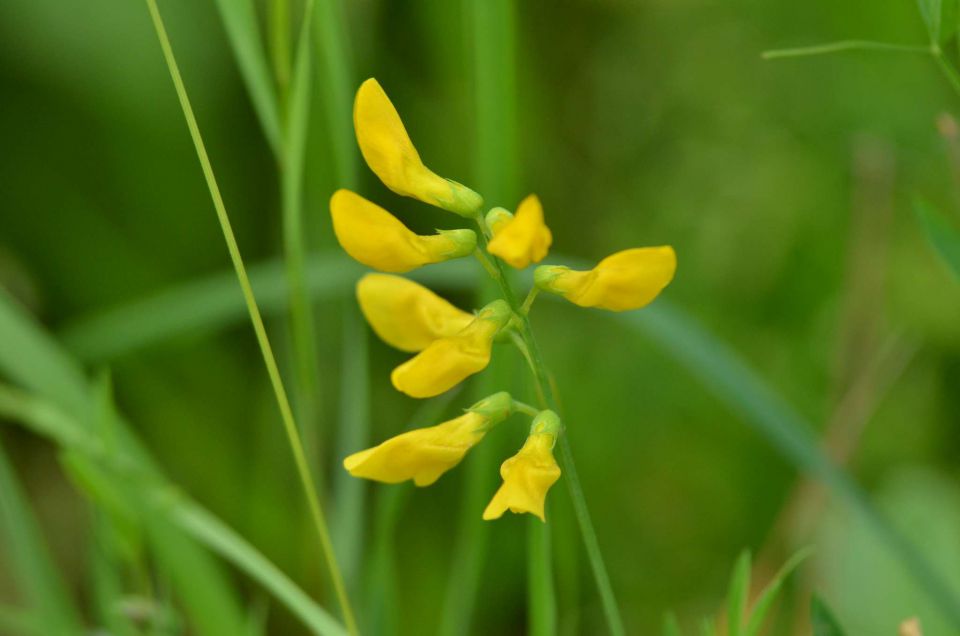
942 235
822 621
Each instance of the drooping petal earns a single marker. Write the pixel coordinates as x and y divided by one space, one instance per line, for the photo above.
528 475
388 151
376 238
407 315
449 361
523 239
626 280
424 454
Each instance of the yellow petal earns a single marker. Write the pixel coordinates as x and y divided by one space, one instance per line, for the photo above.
388 151
405 314
626 280
422 455
378 239
527 476
449 361
525 238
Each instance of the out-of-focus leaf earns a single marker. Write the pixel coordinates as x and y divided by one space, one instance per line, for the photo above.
17 622
737 595
822 620
240 21
34 571
671 627
931 10
943 236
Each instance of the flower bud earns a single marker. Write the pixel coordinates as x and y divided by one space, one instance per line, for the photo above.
626 280
376 238
387 149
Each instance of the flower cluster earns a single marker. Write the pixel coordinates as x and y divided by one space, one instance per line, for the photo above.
451 344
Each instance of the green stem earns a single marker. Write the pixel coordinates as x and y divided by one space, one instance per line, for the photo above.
279 19
548 400
283 403
528 301
844 45
543 604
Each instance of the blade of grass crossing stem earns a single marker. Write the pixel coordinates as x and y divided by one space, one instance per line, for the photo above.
289 422
943 236
349 492
194 520
737 595
729 378
33 569
302 322
240 22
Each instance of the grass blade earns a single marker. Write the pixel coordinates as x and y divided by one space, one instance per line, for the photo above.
941 234
290 426
671 626
842 46
760 609
35 573
737 595
240 21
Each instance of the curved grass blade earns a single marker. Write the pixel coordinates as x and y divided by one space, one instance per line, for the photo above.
34 571
240 21
737 595
760 609
822 620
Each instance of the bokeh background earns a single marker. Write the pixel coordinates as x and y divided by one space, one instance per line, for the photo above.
785 186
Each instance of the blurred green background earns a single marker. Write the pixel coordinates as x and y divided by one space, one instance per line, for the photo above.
785 187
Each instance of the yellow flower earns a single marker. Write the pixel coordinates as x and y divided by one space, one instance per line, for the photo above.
523 239
378 239
528 475
448 361
407 315
626 280
387 148
424 454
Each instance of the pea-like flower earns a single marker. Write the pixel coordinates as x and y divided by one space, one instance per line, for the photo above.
626 280
449 361
528 475
424 454
388 151
522 238
379 240
407 315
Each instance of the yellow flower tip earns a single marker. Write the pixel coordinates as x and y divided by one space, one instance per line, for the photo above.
448 361
422 455
630 279
527 476
522 239
390 153
405 314
376 238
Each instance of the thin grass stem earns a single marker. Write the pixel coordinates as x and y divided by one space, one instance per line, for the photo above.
845 45
286 413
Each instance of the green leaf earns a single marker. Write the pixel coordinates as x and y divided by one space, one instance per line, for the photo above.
33 569
943 236
822 620
770 592
738 593
240 21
